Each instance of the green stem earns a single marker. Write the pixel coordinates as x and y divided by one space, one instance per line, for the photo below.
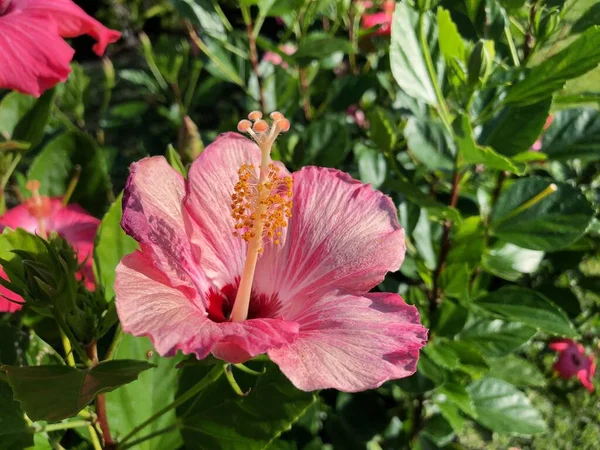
511 46
212 376
60 426
442 107
94 436
551 189
149 436
68 348
114 346
231 379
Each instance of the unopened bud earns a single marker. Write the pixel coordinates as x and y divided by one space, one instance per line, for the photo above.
545 23
480 62
190 143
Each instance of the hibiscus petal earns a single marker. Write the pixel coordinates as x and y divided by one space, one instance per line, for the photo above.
342 234
352 343
75 224
211 180
33 57
152 215
72 21
5 305
148 306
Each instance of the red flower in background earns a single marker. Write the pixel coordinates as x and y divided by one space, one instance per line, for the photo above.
42 215
383 18
572 361
33 55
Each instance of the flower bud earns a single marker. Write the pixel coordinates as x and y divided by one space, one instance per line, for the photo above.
545 23
190 144
480 63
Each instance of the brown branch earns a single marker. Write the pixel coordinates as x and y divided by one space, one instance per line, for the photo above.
254 61
305 95
528 43
444 249
92 351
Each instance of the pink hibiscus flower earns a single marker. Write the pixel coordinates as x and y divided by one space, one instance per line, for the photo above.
572 361
33 55
382 18
42 215
276 59
239 261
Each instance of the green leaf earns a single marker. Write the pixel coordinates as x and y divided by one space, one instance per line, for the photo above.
24 118
174 160
574 133
503 408
497 337
382 130
54 167
472 153
470 360
528 307
348 90
53 393
111 245
14 432
418 197
133 403
590 18
429 142
326 142
318 46
71 97
516 128
516 370
372 167
219 419
428 376
454 280
458 394
406 59
450 412
449 318
451 43
468 243
578 58
540 214
510 262
438 430
202 14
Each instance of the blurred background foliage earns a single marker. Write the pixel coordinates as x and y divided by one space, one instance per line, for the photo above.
448 115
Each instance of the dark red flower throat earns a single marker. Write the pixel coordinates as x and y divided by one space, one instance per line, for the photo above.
220 304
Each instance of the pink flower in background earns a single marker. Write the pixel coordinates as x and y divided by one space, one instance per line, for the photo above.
33 54
382 18
358 116
276 59
315 259
42 215
572 361
537 145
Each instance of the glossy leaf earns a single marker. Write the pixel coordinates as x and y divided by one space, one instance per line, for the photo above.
372 167
54 393
549 76
133 403
472 153
451 43
429 142
220 419
24 118
516 128
14 431
510 261
516 370
406 59
318 46
503 408
574 133
528 307
497 337
540 214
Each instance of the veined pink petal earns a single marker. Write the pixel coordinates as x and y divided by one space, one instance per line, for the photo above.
573 361
153 216
352 342
149 306
72 21
342 234
5 305
211 181
33 57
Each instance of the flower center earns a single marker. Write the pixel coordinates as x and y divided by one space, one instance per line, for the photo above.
38 206
220 304
260 204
